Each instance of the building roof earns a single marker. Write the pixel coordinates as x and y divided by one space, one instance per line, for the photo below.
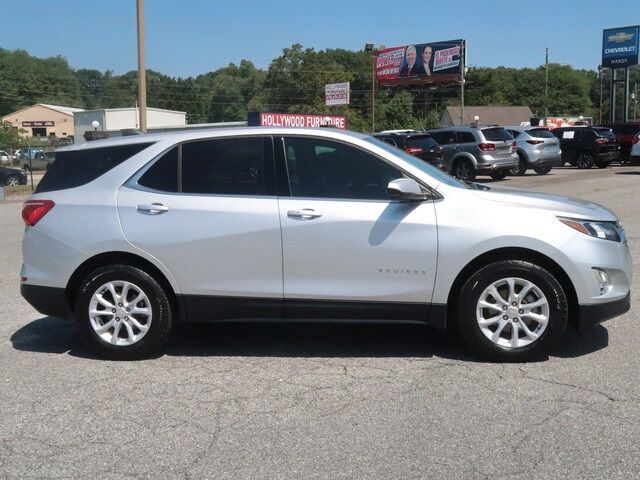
61 109
488 115
131 109
58 108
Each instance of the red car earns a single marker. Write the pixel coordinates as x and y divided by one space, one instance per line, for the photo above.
627 135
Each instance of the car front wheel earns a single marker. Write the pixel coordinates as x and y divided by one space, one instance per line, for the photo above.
542 170
122 313
521 168
499 175
512 310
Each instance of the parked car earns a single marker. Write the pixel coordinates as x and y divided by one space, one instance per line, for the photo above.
308 224
422 145
41 161
626 134
469 151
5 158
586 146
11 177
635 151
537 148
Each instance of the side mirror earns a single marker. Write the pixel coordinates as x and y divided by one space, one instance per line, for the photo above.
406 190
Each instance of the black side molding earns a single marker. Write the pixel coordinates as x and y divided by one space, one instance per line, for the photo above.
590 315
50 301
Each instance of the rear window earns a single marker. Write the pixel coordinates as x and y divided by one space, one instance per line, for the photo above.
540 133
78 167
603 132
424 141
496 134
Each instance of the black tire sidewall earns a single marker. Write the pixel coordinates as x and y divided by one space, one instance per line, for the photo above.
471 176
473 288
499 175
542 170
162 318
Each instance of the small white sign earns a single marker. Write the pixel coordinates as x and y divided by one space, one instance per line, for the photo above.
336 93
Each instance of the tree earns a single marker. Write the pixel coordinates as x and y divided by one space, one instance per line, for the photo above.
10 136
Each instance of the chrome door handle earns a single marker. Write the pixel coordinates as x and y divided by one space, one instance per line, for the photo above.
304 214
153 209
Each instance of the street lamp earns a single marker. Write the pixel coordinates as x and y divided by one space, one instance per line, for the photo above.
368 47
95 125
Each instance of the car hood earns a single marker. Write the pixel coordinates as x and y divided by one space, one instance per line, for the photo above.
558 204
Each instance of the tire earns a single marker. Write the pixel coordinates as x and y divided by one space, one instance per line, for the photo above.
584 160
464 170
499 175
603 164
12 181
542 170
521 169
124 347
545 287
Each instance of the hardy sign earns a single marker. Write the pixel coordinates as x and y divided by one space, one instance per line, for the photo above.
620 47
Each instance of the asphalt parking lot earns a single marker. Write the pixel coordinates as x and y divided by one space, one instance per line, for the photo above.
322 401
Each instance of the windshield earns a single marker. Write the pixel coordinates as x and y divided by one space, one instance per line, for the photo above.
430 170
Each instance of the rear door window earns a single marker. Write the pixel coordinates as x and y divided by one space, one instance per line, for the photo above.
78 167
466 137
496 134
444 137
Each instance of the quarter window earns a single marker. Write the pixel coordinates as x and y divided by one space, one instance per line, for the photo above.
325 169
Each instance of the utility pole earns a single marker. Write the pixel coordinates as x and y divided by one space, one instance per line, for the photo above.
601 75
546 84
142 75
463 61
635 100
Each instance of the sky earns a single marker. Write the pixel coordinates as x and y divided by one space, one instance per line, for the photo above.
190 37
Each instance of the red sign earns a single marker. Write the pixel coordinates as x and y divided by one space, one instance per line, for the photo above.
298 120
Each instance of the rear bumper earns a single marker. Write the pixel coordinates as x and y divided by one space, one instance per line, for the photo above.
550 161
590 315
607 156
50 301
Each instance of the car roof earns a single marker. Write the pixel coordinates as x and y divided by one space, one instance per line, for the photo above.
187 135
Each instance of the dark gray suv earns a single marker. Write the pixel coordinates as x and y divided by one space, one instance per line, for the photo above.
476 150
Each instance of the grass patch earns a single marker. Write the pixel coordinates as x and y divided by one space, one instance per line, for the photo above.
17 190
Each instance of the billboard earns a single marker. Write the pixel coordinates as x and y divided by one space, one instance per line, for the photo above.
620 47
436 62
298 120
336 94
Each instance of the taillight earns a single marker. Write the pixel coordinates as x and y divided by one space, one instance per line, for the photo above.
413 150
602 140
34 210
636 139
535 142
486 147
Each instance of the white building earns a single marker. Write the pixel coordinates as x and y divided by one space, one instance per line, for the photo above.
116 119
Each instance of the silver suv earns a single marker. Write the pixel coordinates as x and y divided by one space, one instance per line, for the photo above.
537 148
130 236
477 150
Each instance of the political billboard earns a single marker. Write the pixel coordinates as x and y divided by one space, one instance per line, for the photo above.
436 62
620 47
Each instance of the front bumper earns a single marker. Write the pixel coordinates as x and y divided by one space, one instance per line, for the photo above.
590 315
50 301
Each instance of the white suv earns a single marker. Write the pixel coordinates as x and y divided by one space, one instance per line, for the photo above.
131 235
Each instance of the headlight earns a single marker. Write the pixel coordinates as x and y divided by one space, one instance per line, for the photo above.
605 230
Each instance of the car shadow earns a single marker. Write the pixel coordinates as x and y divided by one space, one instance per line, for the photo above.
305 340
628 173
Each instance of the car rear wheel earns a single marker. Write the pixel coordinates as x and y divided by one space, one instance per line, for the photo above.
521 169
122 313
12 181
512 310
499 175
584 160
542 170
464 171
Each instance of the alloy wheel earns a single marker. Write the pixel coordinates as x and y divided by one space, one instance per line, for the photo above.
463 171
512 312
120 313
13 182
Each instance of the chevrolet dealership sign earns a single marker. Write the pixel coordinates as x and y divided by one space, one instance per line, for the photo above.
620 47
